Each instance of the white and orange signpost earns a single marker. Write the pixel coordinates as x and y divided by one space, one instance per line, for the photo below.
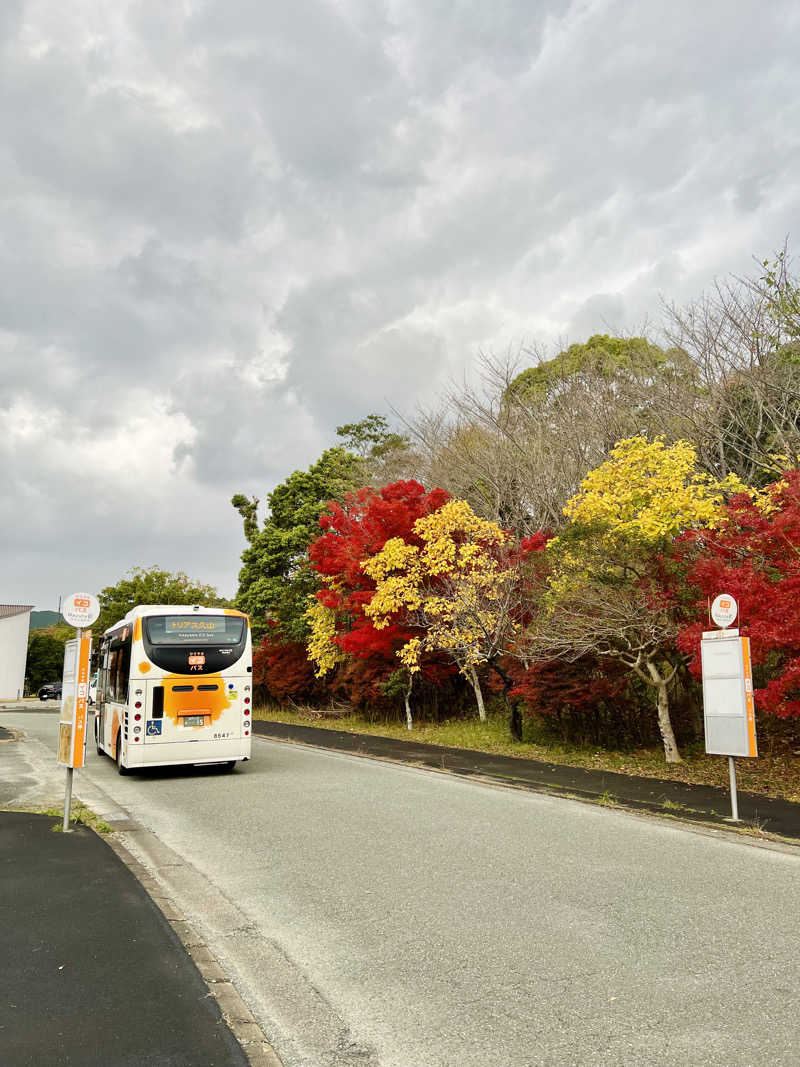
728 709
79 610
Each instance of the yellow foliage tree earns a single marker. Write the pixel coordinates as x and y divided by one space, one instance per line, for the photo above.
455 587
650 490
603 597
321 647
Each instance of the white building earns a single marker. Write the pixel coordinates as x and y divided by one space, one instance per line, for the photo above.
15 620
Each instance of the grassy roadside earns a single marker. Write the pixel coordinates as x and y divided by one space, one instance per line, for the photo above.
79 815
776 773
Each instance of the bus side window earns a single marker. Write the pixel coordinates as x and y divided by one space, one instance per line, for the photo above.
158 702
125 670
119 668
102 677
113 669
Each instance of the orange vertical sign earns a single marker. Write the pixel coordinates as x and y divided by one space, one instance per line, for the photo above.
748 695
74 702
81 703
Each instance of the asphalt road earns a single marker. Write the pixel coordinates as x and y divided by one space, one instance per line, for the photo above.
92 973
381 915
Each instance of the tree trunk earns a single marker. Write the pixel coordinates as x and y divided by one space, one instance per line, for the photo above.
664 722
406 695
476 685
515 722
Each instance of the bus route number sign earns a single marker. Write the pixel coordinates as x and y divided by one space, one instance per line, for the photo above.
80 610
724 610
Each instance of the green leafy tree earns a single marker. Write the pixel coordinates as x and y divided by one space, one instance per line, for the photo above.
45 656
386 456
275 580
152 585
618 365
248 509
371 438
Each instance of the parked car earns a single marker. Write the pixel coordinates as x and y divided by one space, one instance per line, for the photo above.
51 691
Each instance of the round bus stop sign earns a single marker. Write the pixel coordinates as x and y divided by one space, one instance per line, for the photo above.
80 610
724 610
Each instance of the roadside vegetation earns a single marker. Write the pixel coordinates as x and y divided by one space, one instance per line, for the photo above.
776 773
526 566
80 815
545 544
45 661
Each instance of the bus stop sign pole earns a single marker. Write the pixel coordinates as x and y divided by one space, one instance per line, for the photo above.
79 610
728 708
70 769
734 798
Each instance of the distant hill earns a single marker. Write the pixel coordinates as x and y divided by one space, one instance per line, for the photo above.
41 619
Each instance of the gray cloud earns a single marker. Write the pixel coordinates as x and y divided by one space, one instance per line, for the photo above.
226 228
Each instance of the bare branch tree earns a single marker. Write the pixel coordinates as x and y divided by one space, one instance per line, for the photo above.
743 338
517 455
615 622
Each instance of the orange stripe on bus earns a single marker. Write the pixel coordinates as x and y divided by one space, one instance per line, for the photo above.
207 702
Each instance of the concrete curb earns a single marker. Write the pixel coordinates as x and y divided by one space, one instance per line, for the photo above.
235 1012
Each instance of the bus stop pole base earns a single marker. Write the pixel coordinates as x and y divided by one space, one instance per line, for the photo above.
67 800
734 798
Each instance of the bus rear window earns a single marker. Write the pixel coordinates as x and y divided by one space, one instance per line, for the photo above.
194 630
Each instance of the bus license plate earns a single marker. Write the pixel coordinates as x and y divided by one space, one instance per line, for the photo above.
193 720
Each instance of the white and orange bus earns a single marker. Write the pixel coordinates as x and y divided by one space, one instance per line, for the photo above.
174 686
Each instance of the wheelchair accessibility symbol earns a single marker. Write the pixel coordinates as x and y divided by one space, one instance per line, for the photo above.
153 727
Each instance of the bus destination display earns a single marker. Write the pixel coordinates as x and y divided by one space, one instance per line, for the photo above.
194 629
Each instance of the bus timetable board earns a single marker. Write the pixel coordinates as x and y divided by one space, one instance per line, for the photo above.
728 708
74 696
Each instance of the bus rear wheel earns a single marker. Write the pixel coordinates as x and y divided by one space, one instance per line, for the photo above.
121 769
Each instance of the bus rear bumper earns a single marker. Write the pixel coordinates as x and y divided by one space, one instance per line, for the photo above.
168 754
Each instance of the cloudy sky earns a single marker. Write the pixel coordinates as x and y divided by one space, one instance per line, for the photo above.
228 226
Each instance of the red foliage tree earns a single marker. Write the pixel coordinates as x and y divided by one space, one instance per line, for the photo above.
584 701
548 688
755 556
283 671
362 683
